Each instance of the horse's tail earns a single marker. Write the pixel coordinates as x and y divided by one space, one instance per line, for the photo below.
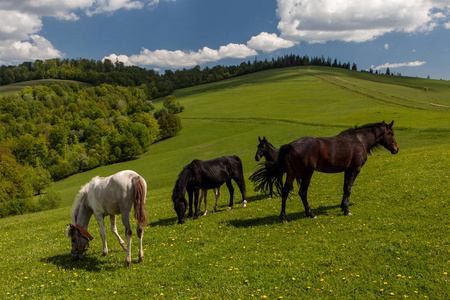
271 172
140 191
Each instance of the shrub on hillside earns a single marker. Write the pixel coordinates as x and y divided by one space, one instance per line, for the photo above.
169 125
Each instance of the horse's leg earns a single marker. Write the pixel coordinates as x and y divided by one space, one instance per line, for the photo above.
114 230
270 192
190 195
217 194
306 179
140 234
349 179
101 225
285 193
241 184
196 192
203 196
231 190
128 234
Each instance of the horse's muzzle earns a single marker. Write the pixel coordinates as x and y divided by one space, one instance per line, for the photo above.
394 150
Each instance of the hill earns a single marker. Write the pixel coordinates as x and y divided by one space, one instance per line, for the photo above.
395 244
17 87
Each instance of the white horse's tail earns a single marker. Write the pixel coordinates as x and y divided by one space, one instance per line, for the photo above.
140 210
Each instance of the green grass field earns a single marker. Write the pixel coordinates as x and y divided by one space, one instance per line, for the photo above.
396 244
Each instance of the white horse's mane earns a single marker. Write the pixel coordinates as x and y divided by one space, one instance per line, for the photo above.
79 200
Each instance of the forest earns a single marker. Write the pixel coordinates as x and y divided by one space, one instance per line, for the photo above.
54 130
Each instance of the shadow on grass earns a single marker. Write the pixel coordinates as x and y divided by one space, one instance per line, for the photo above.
164 222
88 263
320 211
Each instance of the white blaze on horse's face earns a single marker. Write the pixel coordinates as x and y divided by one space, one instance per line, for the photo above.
79 242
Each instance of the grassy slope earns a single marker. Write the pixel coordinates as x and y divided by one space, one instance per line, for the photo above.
396 241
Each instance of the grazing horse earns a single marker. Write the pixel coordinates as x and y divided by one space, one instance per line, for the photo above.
203 196
208 174
269 152
346 152
104 196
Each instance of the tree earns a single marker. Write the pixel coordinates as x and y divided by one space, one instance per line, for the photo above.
170 125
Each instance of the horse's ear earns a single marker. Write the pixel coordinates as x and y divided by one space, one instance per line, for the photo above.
259 139
392 124
264 138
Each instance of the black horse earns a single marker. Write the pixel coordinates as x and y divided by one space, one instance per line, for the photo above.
346 152
269 152
209 174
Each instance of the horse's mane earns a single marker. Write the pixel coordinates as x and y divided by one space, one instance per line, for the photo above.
183 178
356 127
80 199
371 126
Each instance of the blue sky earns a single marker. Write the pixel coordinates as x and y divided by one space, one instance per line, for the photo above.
411 37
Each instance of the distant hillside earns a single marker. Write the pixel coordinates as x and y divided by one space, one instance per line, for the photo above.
17 87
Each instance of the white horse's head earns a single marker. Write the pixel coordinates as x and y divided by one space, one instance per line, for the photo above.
80 240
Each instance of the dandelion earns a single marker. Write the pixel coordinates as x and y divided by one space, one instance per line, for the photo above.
293 278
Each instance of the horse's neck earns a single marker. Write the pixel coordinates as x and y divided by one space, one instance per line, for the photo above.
83 215
368 136
271 154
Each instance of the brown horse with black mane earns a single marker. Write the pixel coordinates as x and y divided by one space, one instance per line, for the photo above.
346 152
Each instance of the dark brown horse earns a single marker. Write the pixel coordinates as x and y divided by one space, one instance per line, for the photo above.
346 152
269 152
208 174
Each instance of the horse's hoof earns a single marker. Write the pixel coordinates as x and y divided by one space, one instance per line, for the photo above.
315 217
127 263
141 259
348 214
104 253
229 208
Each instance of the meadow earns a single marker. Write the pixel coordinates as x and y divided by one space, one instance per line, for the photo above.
395 245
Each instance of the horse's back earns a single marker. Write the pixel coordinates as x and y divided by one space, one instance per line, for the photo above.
115 193
329 154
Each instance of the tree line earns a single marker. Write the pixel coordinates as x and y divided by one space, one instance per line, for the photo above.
53 130
159 85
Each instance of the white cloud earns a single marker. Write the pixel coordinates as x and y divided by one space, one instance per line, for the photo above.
269 42
36 48
386 46
21 21
108 6
180 59
319 21
399 65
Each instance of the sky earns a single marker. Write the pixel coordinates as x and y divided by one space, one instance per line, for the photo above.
411 37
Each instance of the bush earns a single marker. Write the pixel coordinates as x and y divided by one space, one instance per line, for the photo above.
169 125
50 200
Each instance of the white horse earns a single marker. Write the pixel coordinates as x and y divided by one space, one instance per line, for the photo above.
109 196
203 195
